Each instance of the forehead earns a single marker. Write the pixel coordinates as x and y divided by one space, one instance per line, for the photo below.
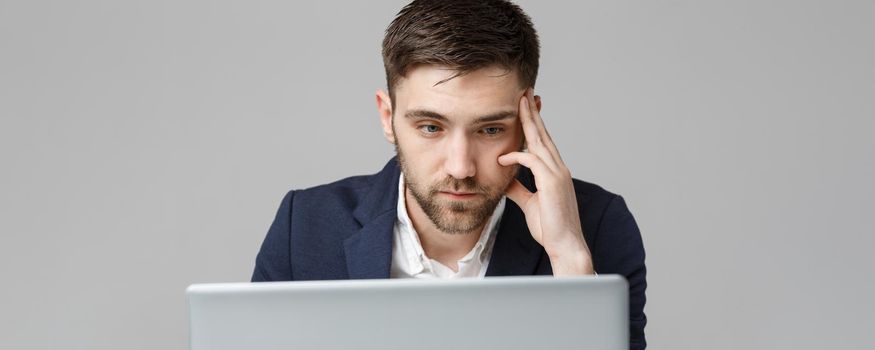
481 92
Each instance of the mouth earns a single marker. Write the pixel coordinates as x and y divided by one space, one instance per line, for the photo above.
458 195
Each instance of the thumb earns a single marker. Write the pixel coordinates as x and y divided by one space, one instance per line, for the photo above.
518 193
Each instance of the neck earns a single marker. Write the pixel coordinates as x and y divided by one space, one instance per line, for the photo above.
444 247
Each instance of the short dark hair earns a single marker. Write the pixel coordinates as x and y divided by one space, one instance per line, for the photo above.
464 35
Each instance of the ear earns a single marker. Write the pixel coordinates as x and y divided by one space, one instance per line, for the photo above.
384 108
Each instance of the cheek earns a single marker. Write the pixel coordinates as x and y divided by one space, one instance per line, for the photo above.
488 165
421 157
409 141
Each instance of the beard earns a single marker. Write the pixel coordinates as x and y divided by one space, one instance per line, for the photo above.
450 216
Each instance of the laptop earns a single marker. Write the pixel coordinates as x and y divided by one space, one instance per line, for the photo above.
531 312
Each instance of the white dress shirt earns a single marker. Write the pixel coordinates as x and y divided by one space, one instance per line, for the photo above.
409 259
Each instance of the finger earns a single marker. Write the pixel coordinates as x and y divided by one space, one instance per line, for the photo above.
535 113
545 140
518 193
535 142
539 169
542 129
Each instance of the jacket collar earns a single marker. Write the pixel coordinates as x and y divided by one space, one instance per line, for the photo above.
369 251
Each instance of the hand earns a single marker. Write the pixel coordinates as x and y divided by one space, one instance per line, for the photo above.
551 212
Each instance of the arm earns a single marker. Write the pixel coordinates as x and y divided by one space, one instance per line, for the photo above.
273 262
618 249
551 213
553 219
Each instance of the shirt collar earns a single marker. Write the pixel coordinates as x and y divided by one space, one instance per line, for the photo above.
413 246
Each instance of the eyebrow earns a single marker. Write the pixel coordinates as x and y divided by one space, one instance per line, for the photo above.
426 114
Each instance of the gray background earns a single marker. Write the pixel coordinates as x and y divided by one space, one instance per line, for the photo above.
146 145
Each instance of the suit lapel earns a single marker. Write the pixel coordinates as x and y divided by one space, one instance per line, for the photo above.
515 252
369 251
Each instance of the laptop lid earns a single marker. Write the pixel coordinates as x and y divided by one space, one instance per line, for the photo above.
533 312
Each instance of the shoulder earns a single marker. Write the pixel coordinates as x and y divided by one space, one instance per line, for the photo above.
346 186
362 192
344 193
594 203
591 191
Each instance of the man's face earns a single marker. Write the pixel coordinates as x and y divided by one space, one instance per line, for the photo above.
448 137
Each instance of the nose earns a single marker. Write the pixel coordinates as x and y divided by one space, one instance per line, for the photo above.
460 158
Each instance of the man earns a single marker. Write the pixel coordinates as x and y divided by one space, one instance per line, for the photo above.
461 112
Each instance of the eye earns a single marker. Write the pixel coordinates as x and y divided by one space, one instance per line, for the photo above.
492 131
429 128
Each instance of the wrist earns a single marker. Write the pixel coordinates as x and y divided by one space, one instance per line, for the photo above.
571 260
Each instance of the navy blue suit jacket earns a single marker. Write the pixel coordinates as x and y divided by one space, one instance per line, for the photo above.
344 230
